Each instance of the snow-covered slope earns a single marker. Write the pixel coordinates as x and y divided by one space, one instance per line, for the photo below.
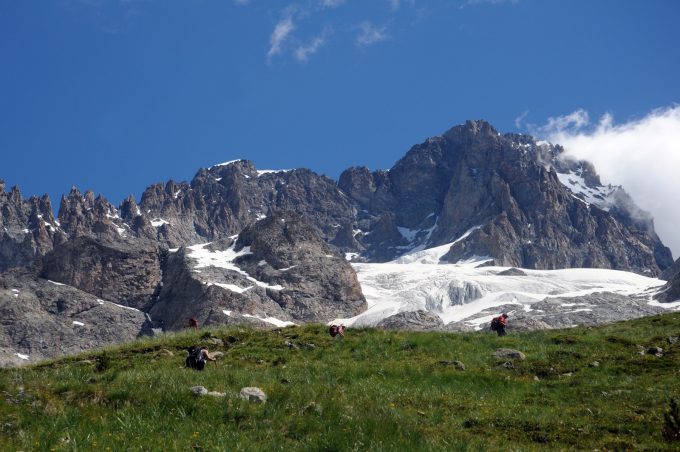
468 294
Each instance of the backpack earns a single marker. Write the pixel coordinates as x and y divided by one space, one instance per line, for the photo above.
333 330
195 359
495 323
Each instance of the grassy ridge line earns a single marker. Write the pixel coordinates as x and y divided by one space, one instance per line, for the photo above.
372 390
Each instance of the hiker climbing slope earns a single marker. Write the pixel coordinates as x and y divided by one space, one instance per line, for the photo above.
499 323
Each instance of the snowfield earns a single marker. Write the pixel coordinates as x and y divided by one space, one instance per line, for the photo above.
456 292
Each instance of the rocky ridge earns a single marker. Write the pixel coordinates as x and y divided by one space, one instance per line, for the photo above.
509 198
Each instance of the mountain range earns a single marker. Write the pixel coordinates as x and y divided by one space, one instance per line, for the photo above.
276 247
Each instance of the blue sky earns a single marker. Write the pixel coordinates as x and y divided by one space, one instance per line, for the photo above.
113 95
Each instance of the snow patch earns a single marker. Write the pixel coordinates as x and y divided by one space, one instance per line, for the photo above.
75 322
672 305
225 259
100 301
55 283
272 320
158 222
21 356
351 256
231 287
269 171
226 312
600 196
225 163
431 255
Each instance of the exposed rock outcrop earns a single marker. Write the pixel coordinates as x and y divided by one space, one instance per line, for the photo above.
500 196
27 228
279 270
670 292
41 319
127 273
412 321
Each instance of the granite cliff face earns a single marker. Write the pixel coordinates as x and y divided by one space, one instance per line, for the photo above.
42 319
671 290
503 196
277 271
27 228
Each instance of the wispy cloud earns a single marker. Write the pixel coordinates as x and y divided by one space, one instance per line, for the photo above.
642 154
369 34
241 2
303 52
281 32
489 2
395 4
331 3
520 119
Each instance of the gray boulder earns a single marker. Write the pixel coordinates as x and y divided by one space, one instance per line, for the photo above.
412 321
509 353
253 394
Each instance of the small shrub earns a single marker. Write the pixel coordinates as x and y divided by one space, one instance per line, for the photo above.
565 340
103 362
671 423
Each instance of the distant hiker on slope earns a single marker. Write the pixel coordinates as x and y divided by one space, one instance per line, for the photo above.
337 330
193 323
197 357
499 323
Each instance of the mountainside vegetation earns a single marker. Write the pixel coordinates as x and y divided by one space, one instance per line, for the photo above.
607 387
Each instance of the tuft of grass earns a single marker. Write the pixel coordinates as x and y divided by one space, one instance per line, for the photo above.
371 390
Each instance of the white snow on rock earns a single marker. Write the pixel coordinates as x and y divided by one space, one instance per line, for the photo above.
600 196
272 320
76 323
456 292
432 255
55 283
351 256
22 356
158 222
268 171
231 287
224 259
225 163
100 301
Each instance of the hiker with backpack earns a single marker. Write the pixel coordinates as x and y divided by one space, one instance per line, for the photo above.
337 330
197 357
499 323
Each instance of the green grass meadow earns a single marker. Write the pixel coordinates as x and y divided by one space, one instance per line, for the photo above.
371 390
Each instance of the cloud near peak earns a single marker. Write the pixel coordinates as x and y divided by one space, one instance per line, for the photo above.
642 154
369 34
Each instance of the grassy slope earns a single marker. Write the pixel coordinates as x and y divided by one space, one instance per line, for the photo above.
371 390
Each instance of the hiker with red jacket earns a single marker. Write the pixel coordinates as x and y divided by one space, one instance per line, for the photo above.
499 323
337 330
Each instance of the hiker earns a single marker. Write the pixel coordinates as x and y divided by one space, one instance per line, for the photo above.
198 356
499 323
337 330
193 323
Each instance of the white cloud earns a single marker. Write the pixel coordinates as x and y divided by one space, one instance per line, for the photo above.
642 154
370 34
395 4
331 3
520 119
489 2
303 52
281 32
